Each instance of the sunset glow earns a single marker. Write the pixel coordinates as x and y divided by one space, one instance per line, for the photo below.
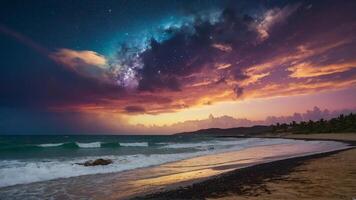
162 69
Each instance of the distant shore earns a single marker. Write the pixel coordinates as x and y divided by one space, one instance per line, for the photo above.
349 138
329 175
343 137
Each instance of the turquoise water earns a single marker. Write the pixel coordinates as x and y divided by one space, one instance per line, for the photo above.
28 159
60 146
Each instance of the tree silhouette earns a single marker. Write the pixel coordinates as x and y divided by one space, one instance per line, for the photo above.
340 124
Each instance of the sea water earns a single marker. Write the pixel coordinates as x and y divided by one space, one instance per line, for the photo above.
26 159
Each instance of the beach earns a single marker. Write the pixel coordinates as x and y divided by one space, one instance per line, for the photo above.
176 172
329 175
210 168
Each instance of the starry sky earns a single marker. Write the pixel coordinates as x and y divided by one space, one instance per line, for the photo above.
126 67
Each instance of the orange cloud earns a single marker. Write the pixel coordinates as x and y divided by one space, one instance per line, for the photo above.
306 69
298 88
74 58
223 65
264 71
85 63
254 78
300 54
207 87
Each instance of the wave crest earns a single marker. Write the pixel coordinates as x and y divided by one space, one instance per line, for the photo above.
135 144
89 145
50 145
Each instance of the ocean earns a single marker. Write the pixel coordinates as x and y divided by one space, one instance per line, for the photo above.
26 160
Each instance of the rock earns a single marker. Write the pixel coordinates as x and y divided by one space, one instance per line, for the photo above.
96 162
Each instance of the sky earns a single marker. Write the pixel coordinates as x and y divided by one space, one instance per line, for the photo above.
158 67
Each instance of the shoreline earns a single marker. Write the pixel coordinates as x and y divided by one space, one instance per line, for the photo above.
306 137
246 181
159 182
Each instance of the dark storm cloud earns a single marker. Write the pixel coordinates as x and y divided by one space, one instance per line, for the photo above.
134 109
238 91
232 39
192 48
242 41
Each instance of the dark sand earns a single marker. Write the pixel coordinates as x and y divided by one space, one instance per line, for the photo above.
324 176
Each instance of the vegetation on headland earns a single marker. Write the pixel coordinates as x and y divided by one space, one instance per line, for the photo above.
340 124
238 131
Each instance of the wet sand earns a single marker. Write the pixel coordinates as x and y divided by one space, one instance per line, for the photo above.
330 177
348 137
323 176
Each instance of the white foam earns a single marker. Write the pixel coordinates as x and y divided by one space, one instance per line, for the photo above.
89 145
14 172
134 144
50 145
18 172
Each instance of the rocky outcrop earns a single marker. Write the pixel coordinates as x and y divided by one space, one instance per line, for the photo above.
96 162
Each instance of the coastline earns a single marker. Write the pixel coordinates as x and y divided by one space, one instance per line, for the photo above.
253 181
349 138
171 175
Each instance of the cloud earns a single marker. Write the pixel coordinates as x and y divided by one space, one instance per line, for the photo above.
305 69
279 50
271 18
205 62
85 63
254 78
230 122
223 47
315 114
76 58
302 87
238 91
222 65
134 109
